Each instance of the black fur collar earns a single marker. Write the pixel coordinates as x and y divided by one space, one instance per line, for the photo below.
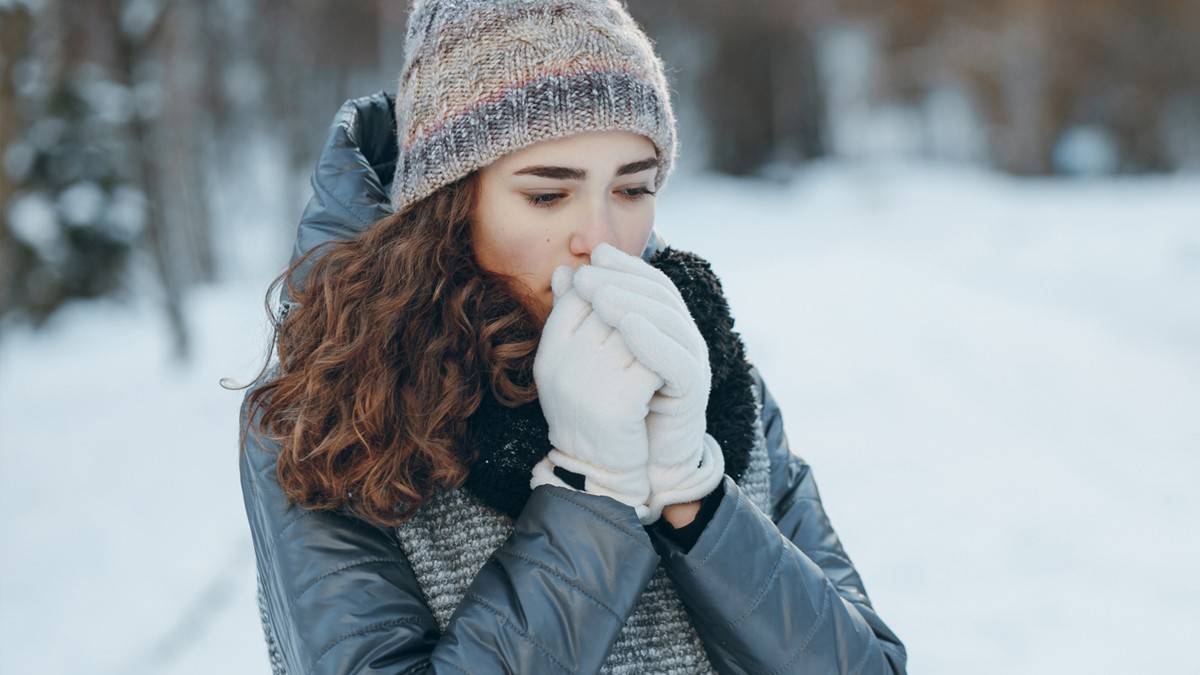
508 442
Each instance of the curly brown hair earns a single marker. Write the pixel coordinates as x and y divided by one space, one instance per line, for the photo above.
395 338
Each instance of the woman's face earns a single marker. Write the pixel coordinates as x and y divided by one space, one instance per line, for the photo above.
551 203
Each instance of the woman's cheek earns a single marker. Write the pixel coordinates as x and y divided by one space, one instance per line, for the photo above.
638 236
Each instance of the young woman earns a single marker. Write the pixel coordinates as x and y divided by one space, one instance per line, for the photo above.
509 431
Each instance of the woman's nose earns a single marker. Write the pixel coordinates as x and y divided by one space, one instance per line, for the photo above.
595 227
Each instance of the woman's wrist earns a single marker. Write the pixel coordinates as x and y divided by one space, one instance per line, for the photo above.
683 523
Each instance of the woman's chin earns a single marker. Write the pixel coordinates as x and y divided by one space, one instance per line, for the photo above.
537 303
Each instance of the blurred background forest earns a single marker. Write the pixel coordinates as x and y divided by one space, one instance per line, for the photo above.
961 239
127 125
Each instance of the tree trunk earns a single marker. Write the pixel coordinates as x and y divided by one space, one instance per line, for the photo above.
185 130
15 26
130 53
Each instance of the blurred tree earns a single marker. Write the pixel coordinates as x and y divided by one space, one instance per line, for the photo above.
116 115
1036 69
320 52
16 23
112 156
1124 65
754 76
65 223
67 229
140 37
128 107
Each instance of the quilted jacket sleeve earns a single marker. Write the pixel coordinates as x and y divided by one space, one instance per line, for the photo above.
340 597
795 604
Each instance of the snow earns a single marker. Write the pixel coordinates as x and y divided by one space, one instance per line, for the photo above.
13 4
1086 150
111 101
32 220
996 381
18 160
139 16
81 203
125 215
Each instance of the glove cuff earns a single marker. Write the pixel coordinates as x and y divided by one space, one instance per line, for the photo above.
681 484
630 488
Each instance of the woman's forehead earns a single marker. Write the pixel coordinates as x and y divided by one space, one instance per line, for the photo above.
600 151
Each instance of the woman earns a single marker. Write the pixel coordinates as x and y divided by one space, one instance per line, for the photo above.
500 440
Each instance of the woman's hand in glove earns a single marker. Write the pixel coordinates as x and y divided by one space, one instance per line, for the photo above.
595 396
685 463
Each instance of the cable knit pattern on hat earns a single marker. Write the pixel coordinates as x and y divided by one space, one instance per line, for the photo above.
483 78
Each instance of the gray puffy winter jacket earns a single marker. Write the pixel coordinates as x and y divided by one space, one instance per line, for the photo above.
339 595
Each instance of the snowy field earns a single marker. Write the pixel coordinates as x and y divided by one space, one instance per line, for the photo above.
997 382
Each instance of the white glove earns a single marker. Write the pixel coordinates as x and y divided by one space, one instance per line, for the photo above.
685 462
595 396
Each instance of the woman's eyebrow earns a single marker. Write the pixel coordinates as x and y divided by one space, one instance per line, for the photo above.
641 165
557 172
569 173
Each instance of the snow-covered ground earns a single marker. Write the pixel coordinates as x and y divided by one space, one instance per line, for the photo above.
996 380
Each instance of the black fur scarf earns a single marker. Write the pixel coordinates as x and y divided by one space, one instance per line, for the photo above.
508 442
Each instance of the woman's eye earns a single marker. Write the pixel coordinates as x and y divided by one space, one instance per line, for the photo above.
635 193
547 199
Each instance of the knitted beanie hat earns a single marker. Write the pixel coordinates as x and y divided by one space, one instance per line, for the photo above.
483 78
